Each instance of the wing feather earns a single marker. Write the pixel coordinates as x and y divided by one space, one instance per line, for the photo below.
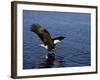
44 35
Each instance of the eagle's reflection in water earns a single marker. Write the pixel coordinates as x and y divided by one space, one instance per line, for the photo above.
51 60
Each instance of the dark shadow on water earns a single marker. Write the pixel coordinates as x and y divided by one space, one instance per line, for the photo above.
51 61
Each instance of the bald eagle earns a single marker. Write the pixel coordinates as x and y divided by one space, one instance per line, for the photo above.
48 42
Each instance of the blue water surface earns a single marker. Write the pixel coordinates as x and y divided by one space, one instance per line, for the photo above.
75 48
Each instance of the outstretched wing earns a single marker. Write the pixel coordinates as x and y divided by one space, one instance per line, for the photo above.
58 39
43 35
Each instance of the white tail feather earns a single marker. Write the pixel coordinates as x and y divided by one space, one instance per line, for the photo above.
56 41
42 45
